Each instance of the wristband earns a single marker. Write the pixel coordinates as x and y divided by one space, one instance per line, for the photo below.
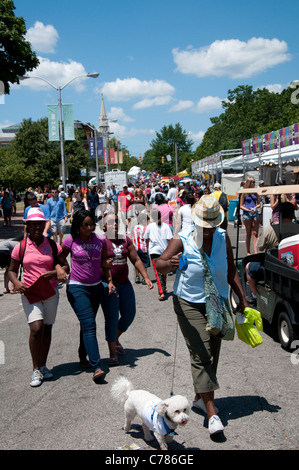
183 263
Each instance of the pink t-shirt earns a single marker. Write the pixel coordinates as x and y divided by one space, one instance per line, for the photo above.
166 213
86 259
37 260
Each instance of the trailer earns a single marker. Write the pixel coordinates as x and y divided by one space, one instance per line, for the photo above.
117 178
277 296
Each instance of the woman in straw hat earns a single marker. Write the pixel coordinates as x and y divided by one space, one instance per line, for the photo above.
189 295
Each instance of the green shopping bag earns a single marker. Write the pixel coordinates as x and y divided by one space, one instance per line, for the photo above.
248 331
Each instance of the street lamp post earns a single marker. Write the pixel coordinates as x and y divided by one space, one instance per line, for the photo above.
59 88
95 135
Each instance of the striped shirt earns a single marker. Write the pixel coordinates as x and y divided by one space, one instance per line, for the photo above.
139 242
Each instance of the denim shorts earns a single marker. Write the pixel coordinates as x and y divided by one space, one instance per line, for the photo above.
250 215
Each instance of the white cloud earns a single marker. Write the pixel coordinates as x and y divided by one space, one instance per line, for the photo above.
233 58
125 132
157 101
204 105
132 88
207 103
273 87
57 73
182 105
119 114
196 136
43 38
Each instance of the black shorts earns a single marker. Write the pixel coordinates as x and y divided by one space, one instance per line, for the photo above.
144 258
256 271
4 258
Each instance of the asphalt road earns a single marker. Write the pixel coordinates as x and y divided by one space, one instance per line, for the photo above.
257 399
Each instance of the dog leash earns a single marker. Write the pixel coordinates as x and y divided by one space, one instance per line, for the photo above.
174 360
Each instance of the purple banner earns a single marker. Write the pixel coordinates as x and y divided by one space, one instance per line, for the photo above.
296 133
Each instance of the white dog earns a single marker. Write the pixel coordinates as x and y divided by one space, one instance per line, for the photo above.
160 416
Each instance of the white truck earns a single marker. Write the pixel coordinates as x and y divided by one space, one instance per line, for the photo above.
117 178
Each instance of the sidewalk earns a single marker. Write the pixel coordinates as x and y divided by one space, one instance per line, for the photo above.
16 231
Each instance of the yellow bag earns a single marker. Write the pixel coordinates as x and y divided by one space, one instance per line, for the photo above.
247 331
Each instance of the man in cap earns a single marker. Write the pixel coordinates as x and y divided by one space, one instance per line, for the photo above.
58 215
125 200
223 201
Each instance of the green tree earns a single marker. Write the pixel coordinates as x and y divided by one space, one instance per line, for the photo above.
16 55
247 113
39 158
163 145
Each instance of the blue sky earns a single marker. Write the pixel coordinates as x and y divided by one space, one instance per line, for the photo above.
160 62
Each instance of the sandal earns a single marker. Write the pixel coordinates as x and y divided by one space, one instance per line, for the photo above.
113 361
161 297
98 376
120 350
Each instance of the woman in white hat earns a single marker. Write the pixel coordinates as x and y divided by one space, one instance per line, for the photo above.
189 295
44 263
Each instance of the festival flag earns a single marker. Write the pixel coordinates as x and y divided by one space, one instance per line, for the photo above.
296 133
271 139
246 147
286 136
257 144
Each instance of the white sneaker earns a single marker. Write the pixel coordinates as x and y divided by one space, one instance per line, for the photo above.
199 404
36 379
215 424
47 374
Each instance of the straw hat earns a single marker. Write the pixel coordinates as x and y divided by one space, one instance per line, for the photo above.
35 214
207 212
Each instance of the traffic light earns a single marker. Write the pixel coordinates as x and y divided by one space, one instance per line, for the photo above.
139 158
163 159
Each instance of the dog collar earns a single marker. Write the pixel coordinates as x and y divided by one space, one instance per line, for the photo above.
169 432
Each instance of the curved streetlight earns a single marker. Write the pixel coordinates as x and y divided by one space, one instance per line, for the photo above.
59 88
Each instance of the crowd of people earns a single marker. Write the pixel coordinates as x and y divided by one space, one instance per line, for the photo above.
146 224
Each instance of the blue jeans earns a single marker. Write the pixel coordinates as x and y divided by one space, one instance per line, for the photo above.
124 304
85 301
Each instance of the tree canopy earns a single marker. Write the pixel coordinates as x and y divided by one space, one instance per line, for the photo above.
16 55
32 160
247 113
163 145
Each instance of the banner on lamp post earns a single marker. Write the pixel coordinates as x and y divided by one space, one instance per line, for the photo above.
100 147
91 147
68 121
53 122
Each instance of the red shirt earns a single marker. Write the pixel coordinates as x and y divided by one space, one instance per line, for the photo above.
118 250
125 200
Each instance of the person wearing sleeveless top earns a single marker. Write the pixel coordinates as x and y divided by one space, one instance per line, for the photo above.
189 295
249 204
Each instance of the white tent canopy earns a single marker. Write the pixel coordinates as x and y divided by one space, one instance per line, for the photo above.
134 171
288 155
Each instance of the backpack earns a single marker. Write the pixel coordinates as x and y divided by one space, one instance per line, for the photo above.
22 249
223 202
